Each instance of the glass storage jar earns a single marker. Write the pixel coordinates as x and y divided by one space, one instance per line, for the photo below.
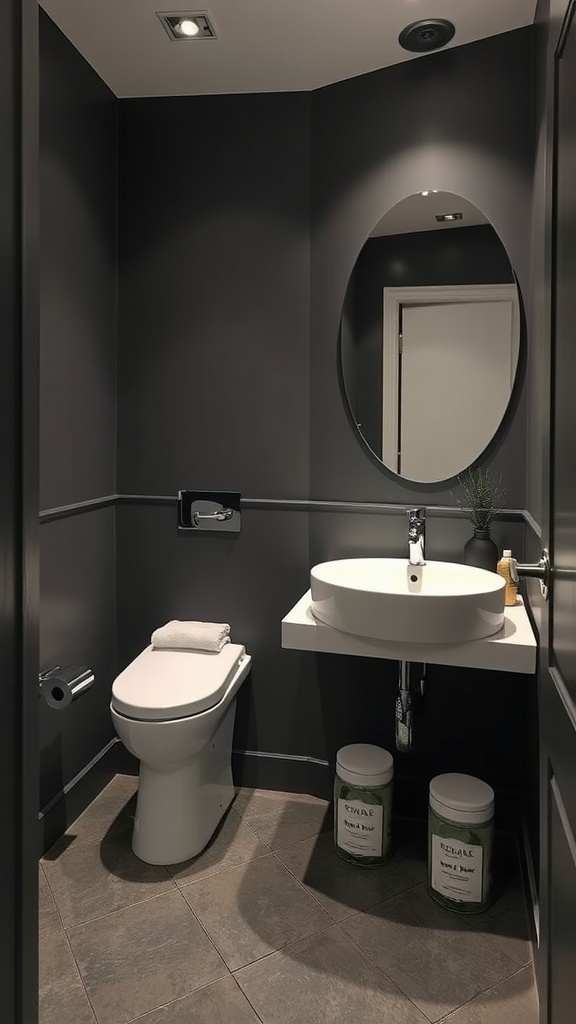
363 804
460 838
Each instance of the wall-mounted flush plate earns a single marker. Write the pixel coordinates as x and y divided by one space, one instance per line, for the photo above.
216 511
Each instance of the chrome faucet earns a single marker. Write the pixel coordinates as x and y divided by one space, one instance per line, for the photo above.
416 535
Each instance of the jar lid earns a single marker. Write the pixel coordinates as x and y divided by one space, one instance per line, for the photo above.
462 798
363 764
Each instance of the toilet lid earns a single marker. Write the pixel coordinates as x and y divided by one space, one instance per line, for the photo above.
163 684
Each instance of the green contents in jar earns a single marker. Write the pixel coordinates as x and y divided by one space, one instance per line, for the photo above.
363 804
459 862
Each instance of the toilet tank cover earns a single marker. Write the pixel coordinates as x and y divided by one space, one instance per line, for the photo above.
163 684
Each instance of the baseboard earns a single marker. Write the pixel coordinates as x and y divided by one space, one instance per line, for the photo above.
292 773
297 774
74 798
286 772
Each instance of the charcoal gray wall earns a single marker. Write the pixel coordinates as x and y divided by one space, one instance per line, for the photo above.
214 360
78 162
459 121
213 376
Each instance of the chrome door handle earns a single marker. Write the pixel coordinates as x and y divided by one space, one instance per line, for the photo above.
541 570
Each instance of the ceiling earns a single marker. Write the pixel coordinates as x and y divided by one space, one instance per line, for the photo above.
262 45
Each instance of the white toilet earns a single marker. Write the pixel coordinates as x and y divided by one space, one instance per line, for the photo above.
174 710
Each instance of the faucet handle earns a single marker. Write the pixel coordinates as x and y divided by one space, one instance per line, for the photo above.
416 513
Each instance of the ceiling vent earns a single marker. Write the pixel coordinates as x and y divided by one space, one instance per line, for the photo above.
187 25
428 34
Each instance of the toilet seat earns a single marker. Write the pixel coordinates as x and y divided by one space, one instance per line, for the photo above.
169 684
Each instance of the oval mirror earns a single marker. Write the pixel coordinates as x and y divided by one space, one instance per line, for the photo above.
430 337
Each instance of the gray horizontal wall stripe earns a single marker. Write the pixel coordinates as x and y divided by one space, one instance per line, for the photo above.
283 757
279 505
533 524
63 511
147 499
77 778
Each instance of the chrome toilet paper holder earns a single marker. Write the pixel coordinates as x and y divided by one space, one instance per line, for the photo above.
59 686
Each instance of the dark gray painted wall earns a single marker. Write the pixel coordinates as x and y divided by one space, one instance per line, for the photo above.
538 370
456 256
250 581
78 276
460 121
77 396
222 385
213 304
214 357
213 376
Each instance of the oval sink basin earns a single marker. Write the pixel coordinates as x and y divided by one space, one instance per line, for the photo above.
388 599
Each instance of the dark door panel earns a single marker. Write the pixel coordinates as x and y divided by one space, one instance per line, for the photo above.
563 635
558 663
562 864
18 512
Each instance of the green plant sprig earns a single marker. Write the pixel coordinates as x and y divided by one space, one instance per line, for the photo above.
482 497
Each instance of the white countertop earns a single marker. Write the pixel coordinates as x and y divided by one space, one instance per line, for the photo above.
512 649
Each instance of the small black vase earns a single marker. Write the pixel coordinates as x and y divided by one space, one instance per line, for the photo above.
481 551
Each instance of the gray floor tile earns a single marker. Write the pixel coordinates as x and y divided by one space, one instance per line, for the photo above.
253 909
234 843
324 979
344 889
514 1001
295 821
91 879
112 811
48 917
139 958
431 954
62 999
220 1003
505 923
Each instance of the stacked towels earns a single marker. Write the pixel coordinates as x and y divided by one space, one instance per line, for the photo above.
195 636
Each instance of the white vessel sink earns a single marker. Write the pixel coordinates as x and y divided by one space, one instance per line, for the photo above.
388 599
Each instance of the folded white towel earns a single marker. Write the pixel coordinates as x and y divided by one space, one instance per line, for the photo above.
196 636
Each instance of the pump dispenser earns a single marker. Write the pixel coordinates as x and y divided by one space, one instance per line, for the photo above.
504 569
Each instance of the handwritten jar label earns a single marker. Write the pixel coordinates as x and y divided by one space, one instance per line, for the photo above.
360 828
457 870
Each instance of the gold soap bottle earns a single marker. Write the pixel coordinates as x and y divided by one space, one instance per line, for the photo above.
504 569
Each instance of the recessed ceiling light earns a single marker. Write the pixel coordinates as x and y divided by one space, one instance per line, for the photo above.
187 25
448 216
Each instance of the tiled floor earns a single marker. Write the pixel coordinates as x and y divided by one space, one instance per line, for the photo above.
267 925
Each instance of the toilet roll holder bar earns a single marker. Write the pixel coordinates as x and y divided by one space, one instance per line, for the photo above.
59 686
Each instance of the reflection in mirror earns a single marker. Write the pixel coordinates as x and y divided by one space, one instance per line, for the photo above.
430 336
